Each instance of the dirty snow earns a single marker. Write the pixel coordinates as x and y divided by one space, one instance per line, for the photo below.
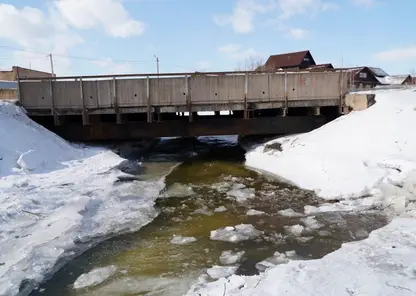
230 257
94 277
182 240
236 233
57 200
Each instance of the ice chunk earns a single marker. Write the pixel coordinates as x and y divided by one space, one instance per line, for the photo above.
295 230
310 210
202 211
94 277
220 209
182 240
217 272
235 233
276 259
229 257
255 213
289 213
241 193
311 224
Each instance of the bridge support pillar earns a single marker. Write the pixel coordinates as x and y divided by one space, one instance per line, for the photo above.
316 111
284 111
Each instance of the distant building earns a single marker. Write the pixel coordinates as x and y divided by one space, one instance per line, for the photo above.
361 77
378 72
289 61
8 84
23 73
396 80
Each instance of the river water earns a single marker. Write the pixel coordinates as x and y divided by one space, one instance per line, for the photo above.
209 188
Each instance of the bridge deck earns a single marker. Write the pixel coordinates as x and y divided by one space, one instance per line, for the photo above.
154 98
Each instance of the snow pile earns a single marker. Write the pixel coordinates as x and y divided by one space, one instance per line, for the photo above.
369 146
182 240
236 233
53 208
358 268
229 257
24 144
94 277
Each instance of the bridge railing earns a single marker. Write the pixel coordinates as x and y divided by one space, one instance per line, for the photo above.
172 92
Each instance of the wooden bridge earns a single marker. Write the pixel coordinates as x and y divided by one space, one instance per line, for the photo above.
171 104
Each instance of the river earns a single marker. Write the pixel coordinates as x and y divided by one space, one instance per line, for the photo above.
209 188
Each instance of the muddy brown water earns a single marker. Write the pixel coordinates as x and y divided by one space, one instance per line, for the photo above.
148 264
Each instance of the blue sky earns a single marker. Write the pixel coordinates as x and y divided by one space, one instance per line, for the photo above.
119 36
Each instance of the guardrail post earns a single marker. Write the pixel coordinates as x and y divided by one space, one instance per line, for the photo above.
119 118
341 92
19 94
56 119
286 106
148 100
245 95
188 98
85 115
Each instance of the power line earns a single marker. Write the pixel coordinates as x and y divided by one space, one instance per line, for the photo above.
76 57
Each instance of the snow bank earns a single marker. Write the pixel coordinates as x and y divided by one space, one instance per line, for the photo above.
94 277
357 268
58 200
350 156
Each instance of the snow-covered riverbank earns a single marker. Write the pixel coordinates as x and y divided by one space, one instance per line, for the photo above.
363 160
57 200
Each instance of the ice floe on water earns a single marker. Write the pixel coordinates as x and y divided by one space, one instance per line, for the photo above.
295 230
255 213
230 257
311 224
241 193
94 277
289 213
236 233
182 240
220 209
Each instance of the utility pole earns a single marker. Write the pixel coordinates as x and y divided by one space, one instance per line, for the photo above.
157 65
51 59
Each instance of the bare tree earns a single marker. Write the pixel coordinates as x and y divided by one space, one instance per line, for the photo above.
252 63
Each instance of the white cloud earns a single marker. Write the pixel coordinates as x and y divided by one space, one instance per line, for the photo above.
236 52
39 31
398 54
298 33
290 8
245 12
108 14
242 18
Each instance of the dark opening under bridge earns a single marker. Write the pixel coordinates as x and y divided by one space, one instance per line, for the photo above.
171 104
